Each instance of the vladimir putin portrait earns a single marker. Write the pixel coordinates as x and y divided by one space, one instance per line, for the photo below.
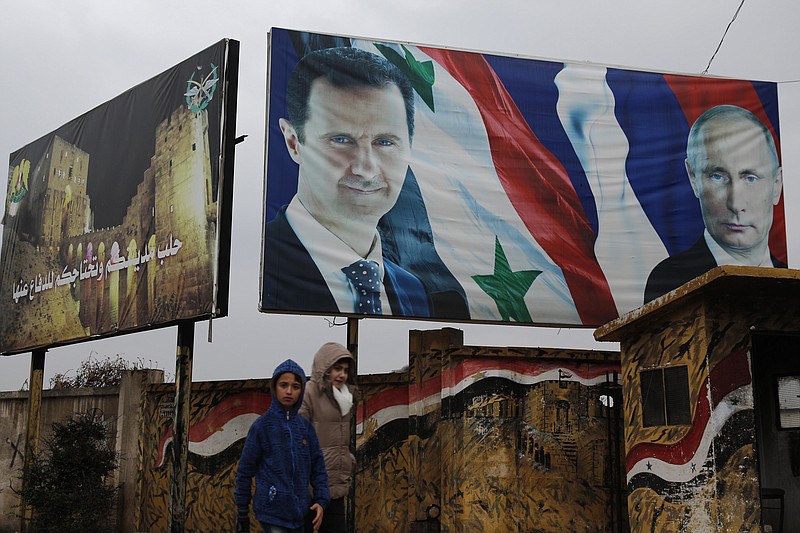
735 173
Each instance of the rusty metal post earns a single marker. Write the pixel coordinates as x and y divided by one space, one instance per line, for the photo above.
35 386
180 426
352 346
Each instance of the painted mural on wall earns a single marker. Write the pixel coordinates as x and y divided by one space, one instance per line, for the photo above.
673 472
382 452
701 475
486 444
467 439
220 416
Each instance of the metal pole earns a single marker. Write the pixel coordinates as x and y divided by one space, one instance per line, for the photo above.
36 384
619 487
180 426
611 463
352 346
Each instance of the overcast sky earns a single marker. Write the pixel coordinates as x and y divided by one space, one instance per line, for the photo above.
61 59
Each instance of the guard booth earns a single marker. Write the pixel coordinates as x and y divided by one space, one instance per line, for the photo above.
711 401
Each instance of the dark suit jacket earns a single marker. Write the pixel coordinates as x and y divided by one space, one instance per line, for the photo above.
291 281
407 239
674 271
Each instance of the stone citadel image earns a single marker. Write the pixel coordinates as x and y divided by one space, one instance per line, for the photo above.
71 280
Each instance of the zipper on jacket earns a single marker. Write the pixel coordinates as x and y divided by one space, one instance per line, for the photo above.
291 448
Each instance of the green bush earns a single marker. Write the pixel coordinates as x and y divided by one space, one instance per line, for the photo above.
66 485
93 372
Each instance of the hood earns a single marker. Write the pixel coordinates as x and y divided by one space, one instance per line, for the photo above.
297 370
326 356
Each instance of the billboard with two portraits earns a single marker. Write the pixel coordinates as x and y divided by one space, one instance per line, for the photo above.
421 182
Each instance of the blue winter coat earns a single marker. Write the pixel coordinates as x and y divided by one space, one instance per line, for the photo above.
283 454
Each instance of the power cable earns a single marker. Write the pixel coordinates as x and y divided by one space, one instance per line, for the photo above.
723 37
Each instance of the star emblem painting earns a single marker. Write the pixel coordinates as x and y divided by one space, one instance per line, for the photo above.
200 93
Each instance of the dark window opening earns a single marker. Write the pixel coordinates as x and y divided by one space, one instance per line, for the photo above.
665 397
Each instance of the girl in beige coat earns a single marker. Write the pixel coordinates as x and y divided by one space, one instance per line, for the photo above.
328 404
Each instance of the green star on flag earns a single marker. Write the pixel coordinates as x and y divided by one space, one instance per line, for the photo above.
507 288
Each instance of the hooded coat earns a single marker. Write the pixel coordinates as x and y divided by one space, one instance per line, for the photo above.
283 454
333 428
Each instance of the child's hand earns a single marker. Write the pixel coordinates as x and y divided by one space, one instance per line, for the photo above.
317 520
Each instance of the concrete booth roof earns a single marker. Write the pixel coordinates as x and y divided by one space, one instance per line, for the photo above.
733 284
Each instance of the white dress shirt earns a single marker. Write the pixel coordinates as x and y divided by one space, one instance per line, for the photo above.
724 258
331 254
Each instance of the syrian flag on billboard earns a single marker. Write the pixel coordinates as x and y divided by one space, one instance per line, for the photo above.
553 189
538 192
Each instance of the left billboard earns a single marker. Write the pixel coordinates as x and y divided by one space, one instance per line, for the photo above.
118 220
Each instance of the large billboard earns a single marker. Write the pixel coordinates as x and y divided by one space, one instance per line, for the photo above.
414 181
119 220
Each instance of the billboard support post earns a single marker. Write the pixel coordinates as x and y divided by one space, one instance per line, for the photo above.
180 425
352 337
35 385
352 346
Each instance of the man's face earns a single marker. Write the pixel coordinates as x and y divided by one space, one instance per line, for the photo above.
737 183
287 390
355 154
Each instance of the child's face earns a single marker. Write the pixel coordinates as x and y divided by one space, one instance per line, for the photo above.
287 390
338 373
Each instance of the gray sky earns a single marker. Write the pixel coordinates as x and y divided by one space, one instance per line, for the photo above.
61 59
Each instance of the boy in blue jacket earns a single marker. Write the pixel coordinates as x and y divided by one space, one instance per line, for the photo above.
283 454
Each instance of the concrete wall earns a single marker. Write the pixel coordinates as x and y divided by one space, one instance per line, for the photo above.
118 407
467 439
